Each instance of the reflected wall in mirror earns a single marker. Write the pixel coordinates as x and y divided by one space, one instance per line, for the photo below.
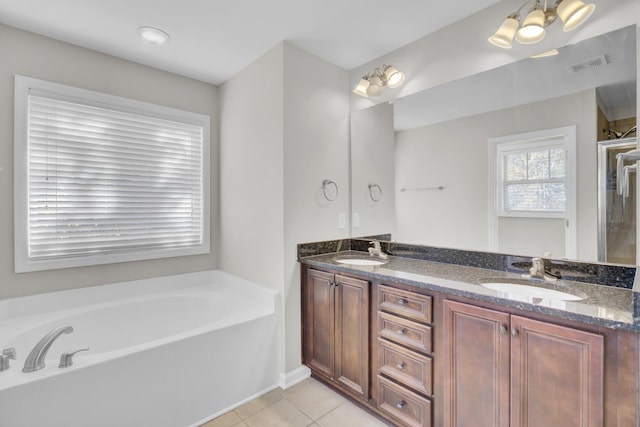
441 141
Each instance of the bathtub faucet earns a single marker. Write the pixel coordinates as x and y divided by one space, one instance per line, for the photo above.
35 360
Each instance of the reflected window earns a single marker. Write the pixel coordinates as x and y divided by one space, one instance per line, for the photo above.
533 179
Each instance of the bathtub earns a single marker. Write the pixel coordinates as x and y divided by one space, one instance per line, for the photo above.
171 351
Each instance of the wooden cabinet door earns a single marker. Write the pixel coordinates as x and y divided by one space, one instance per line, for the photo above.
352 335
556 375
476 367
319 322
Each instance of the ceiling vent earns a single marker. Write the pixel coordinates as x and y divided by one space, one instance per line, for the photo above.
588 64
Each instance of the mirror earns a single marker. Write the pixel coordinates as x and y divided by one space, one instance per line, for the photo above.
431 178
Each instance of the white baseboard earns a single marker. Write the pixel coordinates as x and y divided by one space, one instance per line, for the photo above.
289 379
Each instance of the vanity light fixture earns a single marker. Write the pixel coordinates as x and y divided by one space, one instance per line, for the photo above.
540 15
153 35
376 79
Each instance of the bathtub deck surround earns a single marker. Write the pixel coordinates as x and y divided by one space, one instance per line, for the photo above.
170 351
416 315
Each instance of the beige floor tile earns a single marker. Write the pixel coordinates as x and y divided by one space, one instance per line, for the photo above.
350 415
258 404
227 420
280 414
313 398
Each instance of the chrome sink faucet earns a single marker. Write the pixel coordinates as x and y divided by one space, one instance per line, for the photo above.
35 359
376 250
537 271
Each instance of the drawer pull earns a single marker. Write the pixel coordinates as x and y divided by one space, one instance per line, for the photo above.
401 404
401 365
503 329
402 331
403 301
514 332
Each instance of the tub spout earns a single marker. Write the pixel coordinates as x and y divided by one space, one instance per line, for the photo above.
35 360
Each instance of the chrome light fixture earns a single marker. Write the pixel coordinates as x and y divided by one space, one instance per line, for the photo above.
376 79
572 13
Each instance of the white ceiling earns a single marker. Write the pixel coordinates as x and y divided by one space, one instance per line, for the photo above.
211 40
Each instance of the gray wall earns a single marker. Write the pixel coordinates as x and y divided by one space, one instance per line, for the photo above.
35 56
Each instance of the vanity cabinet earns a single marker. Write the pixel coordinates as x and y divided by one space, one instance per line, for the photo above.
504 370
404 376
336 330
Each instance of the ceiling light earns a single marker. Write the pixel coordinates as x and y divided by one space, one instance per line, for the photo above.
533 29
504 36
573 13
153 35
376 79
394 77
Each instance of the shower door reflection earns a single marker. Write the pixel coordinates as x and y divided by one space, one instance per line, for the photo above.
617 213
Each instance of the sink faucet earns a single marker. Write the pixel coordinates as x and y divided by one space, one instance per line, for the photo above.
35 359
376 250
537 271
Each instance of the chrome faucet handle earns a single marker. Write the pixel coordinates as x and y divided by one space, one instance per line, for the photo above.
4 362
9 352
66 358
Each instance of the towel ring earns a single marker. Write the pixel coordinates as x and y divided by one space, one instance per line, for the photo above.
325 184
373 191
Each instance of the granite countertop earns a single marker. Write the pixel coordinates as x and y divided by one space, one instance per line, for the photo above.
601 305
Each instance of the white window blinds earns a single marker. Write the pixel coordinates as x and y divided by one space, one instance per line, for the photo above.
103 181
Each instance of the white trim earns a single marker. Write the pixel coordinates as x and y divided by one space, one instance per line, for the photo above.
22 87
291 378
568 134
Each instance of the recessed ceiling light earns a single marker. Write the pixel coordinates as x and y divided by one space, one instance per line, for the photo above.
153 35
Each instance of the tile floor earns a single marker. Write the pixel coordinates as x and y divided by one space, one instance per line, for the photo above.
309 403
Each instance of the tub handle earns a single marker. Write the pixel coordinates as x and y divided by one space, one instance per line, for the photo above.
7 354
66 358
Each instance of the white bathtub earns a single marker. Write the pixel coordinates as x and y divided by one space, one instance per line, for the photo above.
172 351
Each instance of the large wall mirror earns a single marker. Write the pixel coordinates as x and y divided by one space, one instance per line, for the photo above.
430 180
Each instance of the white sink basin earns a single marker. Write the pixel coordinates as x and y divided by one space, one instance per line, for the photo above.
527 291
361 261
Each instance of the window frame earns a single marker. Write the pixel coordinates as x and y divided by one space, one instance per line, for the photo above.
22 85
506 148
565 135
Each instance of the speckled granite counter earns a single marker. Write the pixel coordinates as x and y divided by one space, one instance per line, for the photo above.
608 306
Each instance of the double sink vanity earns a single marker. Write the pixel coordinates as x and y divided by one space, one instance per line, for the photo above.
441 337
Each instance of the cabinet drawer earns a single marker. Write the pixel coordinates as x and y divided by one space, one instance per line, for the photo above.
411 369
405 332
408 304
402 404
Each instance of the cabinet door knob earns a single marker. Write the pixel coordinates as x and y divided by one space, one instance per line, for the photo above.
401 404
401 365
503 329
402 331
514 332
403 301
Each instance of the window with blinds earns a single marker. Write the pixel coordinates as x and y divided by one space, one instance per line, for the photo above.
532 178
107 179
